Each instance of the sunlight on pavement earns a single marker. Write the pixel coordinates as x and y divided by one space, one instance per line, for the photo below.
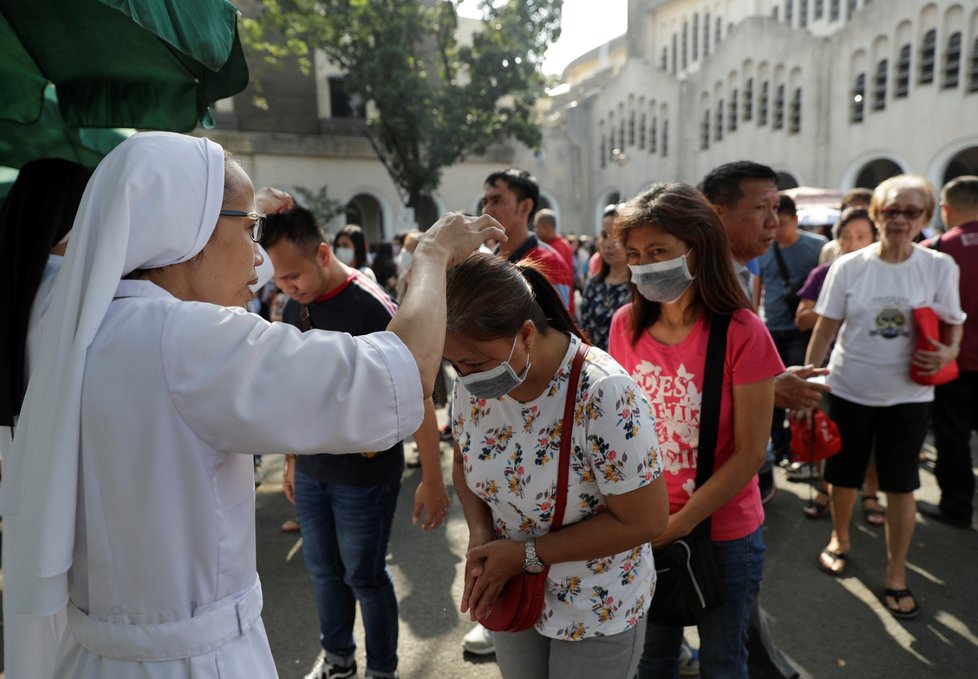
899 634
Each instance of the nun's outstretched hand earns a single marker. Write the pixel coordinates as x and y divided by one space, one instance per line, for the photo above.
456 236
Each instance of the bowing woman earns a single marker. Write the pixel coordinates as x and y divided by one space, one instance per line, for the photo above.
682 271
513 345
137 511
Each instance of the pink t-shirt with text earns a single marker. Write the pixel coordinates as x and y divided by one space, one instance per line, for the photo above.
672 379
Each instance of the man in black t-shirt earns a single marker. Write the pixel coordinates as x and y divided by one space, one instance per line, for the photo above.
345 503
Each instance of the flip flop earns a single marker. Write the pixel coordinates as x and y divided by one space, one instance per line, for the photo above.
898 594
291 526
814 509
834 556
874 516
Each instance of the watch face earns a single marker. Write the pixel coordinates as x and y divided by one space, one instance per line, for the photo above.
535 567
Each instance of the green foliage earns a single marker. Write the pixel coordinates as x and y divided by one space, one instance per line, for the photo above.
434 101
320 204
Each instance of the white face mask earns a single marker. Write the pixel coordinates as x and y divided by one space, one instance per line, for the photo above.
663 282
497 381
345 255
404 261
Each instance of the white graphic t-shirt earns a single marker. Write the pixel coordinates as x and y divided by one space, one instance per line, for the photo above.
510 452
874 299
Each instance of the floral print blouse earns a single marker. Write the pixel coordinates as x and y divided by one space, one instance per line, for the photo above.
510 452
599 302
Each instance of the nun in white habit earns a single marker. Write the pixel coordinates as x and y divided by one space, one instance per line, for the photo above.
137 509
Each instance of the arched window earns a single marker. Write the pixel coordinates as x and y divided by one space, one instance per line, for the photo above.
604 152
749 100
685 43
762 105
952 61
675 48
803 13
665 59
706 34
705 131
794 125
621 130
833 10
858 96
879 86
718 126
719 25
779 108
696 37
819 9
789 12
851 9
641 133
973 68
631 128
665 138
654 135
902 86
928 49
732 112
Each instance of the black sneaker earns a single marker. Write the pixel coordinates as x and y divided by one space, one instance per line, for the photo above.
323 670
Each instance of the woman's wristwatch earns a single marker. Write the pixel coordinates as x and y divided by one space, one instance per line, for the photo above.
531 562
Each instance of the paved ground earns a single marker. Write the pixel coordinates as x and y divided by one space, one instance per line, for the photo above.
829 627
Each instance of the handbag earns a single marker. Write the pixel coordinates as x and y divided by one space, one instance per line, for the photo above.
688 583
520 604
791 297
929 327
814 439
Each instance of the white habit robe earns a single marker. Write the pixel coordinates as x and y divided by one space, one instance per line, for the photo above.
176 398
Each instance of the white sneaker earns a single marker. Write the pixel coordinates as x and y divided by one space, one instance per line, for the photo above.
479 641
799 471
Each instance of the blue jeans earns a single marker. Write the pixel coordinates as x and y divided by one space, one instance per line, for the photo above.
723 631
345 531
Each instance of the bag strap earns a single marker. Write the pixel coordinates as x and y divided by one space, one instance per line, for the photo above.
716 352
782 269
305 318
566 428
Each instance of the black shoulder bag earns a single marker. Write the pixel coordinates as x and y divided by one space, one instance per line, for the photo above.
791 297
687 577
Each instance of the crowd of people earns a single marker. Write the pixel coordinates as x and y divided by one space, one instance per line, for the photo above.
146 339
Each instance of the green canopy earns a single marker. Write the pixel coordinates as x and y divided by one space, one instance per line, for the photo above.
148 64
49 137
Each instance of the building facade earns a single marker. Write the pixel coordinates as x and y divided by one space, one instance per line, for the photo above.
830 93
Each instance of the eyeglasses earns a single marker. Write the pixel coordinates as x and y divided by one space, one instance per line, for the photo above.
911 213
257 217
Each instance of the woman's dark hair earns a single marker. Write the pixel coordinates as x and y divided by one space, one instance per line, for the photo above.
849 215
355 234
384 266
489 298
681 211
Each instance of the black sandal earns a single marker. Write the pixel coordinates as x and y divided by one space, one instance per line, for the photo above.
814 509
874 516
898 594
835 557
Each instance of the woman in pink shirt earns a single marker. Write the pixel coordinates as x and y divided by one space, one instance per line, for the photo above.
681 267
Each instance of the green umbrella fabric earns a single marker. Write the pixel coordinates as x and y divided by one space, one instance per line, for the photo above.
148 64
49 137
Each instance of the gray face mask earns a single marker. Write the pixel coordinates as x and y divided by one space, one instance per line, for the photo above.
663 282
497 381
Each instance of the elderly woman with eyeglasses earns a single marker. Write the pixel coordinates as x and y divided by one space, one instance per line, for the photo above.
867 300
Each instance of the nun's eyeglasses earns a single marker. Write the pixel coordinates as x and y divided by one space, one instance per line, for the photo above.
257 217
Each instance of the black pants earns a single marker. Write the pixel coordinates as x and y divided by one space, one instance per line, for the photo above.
791 346
955 415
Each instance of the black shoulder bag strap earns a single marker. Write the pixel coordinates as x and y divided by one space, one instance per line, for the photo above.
716 353
782 269
935 242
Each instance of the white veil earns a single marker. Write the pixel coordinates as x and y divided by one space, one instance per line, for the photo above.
153 201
